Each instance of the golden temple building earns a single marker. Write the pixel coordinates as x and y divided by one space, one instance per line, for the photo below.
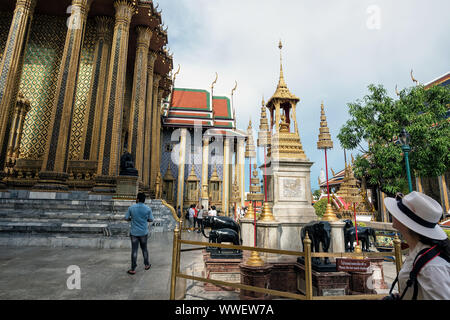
81 83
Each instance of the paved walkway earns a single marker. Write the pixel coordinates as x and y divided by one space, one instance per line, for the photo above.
41 273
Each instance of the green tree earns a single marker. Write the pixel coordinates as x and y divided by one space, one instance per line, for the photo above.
316 194
320 207
375 123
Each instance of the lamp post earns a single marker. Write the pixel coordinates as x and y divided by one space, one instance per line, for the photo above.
404 139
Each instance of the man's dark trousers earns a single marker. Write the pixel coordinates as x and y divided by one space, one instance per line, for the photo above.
135 242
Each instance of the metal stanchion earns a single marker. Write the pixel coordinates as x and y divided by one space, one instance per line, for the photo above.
175 262
308 267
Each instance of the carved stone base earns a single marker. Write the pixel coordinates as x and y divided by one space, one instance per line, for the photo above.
257 277
104 185
221 269
52 181
127 187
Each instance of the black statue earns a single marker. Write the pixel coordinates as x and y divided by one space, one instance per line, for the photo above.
127 165
318 232
224 235
218 222
364 234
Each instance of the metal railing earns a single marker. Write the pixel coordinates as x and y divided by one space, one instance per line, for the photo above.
306 254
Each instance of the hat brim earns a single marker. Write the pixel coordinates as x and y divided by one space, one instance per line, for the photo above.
436 233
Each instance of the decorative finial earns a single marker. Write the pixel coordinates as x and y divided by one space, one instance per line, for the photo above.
413 79
234 89
214 82
396 91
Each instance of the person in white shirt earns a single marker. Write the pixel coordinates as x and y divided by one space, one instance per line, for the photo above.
212 212
416 217
200 218
191 218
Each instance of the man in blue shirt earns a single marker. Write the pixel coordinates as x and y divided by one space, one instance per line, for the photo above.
140 215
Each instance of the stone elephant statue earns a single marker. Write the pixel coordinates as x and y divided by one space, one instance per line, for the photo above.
319 232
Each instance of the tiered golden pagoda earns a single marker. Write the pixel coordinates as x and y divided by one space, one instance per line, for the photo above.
264 133
325 143
250 149
255 187
284 144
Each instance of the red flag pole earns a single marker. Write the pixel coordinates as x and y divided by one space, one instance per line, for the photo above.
326 170
356 226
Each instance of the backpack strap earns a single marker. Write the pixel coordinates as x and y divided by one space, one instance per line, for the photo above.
422 258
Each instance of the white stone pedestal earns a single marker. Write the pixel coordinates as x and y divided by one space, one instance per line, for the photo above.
268 236
289 195
337 236
247 232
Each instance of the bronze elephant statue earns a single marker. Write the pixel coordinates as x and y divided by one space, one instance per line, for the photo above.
224 235
364 234
319 232
219 222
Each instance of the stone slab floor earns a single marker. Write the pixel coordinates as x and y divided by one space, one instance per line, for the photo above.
33 273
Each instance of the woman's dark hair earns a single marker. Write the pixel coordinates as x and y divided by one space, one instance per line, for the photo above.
203 207
442 245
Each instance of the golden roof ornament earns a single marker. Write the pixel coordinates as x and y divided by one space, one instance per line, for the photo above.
250 149
192 176
282 91
325 141
168 175
214 175
264 133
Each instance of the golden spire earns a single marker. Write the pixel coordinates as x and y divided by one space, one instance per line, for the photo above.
325 141
282 91
281 82
263 134
250 149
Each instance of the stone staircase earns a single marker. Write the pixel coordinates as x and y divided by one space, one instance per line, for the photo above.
74 219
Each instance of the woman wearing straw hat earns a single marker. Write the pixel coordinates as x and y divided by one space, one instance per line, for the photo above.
427 266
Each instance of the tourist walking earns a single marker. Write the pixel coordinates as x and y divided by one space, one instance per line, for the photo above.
200 218
191 217
140 215
425 274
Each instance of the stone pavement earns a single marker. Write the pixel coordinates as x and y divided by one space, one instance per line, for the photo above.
41 273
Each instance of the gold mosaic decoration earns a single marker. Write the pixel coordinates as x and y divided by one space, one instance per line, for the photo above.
83 89
39 79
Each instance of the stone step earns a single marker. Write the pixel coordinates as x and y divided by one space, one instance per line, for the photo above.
53 227
64 240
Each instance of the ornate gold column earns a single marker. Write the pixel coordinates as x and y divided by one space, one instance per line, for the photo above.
53 174
20 111
148 119
241 169
109 152
154 135
181 162
137 114
226 175
157 150
10 66
94 107
205 165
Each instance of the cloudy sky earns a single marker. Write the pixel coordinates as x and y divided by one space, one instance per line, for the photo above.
333 49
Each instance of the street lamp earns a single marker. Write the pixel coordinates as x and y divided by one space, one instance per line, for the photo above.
404 139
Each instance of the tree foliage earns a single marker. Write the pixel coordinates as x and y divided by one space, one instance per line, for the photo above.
376 121
320 207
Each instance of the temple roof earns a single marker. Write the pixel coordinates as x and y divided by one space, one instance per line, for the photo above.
191 106
443 80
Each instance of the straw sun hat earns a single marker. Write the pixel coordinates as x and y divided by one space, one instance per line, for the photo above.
418 212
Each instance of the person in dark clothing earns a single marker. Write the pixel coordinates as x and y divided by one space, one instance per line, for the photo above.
140 215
